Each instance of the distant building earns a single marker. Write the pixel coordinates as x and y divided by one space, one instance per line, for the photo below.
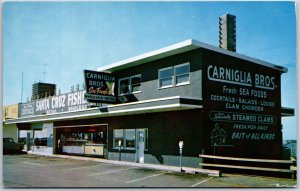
10 112
42 90
290 148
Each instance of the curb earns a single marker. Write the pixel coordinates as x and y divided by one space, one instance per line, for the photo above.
215 173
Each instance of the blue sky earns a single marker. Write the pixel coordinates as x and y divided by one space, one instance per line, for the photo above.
67 38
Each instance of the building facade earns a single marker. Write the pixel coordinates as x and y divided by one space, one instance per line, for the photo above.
216 101
10 130
42 90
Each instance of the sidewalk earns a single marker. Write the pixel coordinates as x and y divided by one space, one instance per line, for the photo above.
142 165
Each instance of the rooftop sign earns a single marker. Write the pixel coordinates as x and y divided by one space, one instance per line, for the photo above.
72 101
100 87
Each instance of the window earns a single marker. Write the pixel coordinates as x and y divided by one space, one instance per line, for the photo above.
128 138
124 86
182 74
118 136
135 83
174 76
166 77
130 85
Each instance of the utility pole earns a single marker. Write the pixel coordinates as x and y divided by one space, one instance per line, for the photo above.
44 73
22 88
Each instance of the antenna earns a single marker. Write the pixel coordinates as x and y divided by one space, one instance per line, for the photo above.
44 73
22 88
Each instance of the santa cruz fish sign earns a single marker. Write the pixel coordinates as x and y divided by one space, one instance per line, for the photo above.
72 101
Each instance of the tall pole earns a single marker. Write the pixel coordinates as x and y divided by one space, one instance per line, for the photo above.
44 72
22 88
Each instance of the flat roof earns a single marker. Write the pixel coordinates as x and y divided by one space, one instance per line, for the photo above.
178 48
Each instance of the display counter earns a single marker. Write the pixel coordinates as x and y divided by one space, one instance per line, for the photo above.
83 148
74 147
94 149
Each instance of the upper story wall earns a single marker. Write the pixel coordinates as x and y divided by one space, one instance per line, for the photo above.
10 112
150 77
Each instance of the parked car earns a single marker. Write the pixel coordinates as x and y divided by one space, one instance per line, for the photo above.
22 140
9 146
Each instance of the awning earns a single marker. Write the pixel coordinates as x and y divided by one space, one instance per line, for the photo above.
146 106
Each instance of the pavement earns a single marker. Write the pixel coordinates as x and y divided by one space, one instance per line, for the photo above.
36 170
183 169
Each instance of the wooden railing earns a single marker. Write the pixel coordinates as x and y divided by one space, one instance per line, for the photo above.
292 164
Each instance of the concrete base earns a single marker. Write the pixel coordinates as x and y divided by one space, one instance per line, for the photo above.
162 160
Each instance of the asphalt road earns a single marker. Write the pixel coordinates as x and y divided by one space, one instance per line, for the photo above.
33 171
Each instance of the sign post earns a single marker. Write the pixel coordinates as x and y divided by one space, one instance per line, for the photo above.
119 144
28 142
180 152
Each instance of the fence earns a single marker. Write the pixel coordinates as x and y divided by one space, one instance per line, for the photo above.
291 163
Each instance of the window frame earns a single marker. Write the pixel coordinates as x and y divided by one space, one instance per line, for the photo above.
130 85
174 77
134 92
127 78
125 139
114 139
159 78
123 146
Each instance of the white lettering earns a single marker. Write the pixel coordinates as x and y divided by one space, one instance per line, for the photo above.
228 75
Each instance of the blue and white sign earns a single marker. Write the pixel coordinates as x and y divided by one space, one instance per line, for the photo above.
72 101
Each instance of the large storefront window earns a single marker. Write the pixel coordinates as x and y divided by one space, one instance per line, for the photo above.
128 138
86 140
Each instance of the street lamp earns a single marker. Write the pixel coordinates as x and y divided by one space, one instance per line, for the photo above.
180 152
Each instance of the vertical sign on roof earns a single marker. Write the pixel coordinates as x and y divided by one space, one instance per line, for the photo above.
100 87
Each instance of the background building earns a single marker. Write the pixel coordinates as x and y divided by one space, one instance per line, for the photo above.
290 149
42 90
10 112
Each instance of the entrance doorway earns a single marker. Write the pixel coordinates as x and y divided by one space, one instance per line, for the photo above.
140 142
88 140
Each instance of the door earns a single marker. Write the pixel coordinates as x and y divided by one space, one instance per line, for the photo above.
140 145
